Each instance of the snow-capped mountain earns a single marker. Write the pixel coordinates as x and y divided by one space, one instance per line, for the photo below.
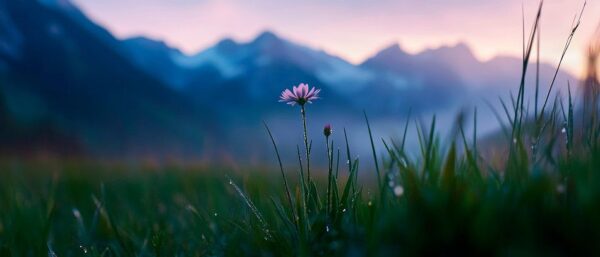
61 72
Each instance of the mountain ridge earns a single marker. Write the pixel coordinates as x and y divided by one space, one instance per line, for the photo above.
64 74
83 87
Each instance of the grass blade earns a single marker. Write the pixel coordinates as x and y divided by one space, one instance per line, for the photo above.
375 158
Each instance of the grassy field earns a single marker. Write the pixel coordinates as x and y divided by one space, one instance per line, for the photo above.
539 197
443 203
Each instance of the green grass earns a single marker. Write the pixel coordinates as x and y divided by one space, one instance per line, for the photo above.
540 198
448 209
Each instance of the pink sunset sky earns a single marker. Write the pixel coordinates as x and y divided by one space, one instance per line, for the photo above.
354 29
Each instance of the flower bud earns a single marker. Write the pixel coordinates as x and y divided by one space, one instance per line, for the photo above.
327 130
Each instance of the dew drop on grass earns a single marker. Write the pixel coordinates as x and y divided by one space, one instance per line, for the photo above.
398 191
216 214
267 236
391 183
563 130
348 162
51 252
344 210
560 188
370 203
85 250
191 208
76 213
327 228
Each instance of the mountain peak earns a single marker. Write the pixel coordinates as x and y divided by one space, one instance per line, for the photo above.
59 4
267 37
392 50
462 45
392 55
146 41
226 43
149 43
460 49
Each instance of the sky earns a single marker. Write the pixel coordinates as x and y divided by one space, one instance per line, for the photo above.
355 29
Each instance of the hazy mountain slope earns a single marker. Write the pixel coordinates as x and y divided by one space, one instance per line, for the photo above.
453 71
65 80
426 83
83 86
252 75
156 58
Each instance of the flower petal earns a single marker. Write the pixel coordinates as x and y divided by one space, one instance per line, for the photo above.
311 92
304 88
315 94
287 94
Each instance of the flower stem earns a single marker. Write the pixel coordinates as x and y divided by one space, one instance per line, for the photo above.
329 178
303 111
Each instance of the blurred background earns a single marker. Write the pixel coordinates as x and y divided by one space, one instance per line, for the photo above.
191 81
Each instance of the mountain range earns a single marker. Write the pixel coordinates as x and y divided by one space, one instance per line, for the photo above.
67 86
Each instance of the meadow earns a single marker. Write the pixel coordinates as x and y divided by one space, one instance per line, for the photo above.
533 190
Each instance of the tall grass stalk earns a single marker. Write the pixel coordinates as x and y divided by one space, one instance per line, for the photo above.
574 28
375 160
285 182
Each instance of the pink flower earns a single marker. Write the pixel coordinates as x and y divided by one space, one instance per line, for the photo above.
299 95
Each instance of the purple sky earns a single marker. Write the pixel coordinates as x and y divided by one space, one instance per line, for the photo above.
352 29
